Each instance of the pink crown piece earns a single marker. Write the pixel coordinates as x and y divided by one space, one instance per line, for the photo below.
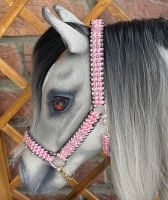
97 54
97 58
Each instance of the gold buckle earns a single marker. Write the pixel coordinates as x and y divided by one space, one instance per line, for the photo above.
62 172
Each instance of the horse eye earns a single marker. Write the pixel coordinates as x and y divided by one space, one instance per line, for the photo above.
60 103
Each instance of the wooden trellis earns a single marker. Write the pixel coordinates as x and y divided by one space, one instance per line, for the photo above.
7 186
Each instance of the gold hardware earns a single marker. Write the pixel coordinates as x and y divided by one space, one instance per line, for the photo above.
64 174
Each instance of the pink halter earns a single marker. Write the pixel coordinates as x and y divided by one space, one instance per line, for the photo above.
97 57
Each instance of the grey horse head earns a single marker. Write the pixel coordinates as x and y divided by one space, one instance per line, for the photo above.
68 79
136 91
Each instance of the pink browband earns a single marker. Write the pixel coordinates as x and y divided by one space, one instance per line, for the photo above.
97 56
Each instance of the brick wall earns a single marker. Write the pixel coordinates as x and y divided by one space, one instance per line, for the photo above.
16 51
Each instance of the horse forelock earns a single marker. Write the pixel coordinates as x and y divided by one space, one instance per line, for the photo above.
46 52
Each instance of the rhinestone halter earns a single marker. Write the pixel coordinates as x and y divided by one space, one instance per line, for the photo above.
98 100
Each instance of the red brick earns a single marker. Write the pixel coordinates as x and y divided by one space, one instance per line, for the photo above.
139 9
9 54
20 27
27 52
134 9
144 8
85 169
7 98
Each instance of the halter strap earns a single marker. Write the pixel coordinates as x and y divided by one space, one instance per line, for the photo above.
98 100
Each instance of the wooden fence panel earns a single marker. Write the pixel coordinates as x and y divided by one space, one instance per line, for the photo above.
4 178
17 8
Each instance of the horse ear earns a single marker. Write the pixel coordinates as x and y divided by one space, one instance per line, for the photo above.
75 41
66 15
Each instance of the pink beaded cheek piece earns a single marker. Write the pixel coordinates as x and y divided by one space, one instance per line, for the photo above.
95 113
97 77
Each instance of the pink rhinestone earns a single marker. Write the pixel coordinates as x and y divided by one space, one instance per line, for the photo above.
79 137
32 144
50 159
42 150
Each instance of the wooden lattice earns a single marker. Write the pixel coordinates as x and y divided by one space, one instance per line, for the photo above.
7 186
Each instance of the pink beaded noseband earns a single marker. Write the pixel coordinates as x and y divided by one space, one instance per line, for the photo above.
98 101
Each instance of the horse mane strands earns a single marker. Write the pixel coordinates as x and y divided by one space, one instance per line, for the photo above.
164 139
136 79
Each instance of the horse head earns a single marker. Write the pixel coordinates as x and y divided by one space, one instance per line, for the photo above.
78 98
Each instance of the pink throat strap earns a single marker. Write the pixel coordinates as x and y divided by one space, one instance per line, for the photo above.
97 58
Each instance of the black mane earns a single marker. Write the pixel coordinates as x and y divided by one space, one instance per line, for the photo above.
46 51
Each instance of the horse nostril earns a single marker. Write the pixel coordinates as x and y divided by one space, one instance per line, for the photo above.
22 172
